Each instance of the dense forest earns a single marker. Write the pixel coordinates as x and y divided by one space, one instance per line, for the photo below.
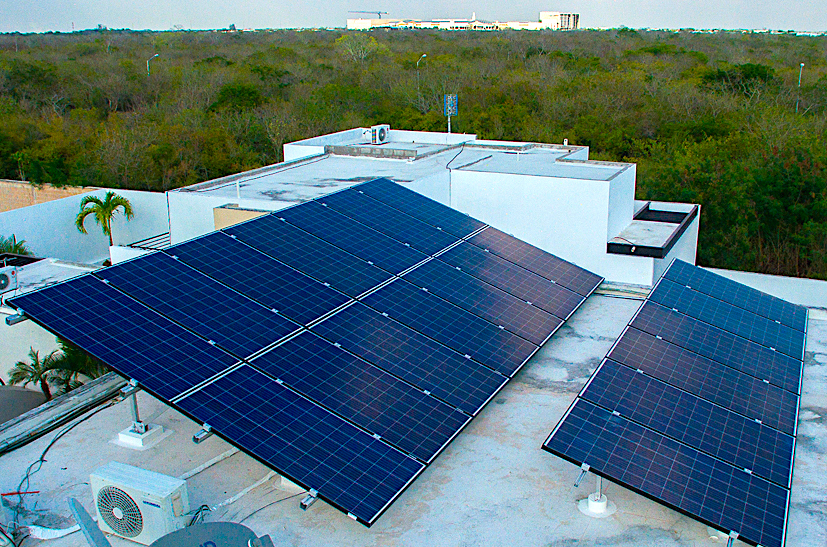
717 119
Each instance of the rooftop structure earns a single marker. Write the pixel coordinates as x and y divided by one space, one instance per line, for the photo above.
549 195
549 20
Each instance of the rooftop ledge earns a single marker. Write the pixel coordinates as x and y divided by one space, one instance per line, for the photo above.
652 232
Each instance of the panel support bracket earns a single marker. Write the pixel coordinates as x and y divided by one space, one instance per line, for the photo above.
203 434
309 500
731 539
583 470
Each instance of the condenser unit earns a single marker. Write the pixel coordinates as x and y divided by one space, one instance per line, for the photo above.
379 134
136 504
8 278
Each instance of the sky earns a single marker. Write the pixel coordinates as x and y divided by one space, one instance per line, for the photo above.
64 15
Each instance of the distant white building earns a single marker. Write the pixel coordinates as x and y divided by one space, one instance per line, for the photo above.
549 20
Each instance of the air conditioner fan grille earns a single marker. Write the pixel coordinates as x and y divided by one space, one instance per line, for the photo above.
120 511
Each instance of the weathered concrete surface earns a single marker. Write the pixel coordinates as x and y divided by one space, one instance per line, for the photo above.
492 486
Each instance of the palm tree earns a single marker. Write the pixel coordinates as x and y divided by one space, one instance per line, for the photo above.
72 363
36 371
11 245
103 210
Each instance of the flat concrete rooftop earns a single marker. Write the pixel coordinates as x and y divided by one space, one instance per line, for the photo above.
492 486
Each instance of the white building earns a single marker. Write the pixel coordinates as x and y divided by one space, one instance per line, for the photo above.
549 20
549 195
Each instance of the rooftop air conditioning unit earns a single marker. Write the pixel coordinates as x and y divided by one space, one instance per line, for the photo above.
379 134
138 505
8 278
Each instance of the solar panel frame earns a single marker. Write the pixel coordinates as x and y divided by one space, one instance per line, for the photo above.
718 383
486 301
655 452
692 421
215 312
95 307
389 221
309 254
536 260
353 237
341 430
737 294
452 326
364 394
723 315
420 207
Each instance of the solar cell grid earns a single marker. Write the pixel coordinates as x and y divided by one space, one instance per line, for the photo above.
738 294
719 345
364 395
452 326
126 335
389 221
672 473
720 384
233 321
693 421
352 236
487 301
412 357
418 206
536 260
348 467
541 292
309 254
728 317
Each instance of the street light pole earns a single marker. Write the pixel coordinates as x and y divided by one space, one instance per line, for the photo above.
798 95
147 62
418 93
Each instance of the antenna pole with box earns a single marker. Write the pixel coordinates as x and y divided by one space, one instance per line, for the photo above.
451 108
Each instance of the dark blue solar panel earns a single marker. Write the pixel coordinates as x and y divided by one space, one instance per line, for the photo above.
207 308
418 206
364 395
537 260
411 356
126 335
693 421
728 317
492 346
715 382
352 236
721 346
672 473
738 294
518 281
487 301
346 466
309 254
391 222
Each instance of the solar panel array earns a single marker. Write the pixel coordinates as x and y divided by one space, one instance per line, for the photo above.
343 342
696 404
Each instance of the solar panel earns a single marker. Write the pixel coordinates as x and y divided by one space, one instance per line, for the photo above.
721 346
348 467
365 395
233 321
409 355
418 206
536 260
126 335
738 294
525 285
672 473
485 300
352 236
728 317
389 221
693 421
452 326
692 415
258 276
309 254
717 383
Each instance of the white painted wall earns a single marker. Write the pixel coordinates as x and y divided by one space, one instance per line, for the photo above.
191 213
118 254
437 187
686 249
621 201
15 342
806 292
49 228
